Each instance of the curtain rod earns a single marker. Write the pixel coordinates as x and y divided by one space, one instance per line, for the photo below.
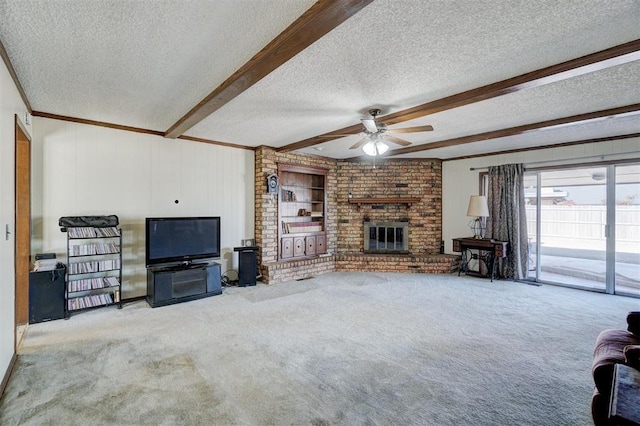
601 156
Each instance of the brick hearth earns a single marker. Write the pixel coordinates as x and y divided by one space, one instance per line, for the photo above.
425 263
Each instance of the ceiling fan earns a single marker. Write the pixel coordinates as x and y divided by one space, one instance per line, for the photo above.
376 134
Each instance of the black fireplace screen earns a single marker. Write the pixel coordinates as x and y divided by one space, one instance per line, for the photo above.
386 237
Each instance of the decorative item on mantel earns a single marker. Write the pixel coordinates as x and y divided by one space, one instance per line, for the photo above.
479 209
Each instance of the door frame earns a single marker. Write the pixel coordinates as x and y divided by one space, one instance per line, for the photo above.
21 302
610 230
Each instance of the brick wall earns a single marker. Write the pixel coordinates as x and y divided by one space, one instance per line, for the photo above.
344 223
298 269
391 178
266 219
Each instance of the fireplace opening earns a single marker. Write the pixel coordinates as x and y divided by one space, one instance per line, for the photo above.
386 237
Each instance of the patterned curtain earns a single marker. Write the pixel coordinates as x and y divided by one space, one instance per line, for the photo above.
507 217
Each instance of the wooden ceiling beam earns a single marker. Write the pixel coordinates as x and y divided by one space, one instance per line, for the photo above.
617 55
555 145
96 123
219 143
317 21
518 130
135 129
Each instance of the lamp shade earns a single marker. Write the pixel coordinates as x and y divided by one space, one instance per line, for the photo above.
374 148
478 206
381 147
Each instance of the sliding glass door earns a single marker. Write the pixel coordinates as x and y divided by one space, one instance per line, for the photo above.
584 227
572 243
627 230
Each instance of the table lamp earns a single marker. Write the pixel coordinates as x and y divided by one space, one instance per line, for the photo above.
479 209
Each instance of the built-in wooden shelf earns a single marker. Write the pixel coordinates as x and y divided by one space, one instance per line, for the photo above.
384 200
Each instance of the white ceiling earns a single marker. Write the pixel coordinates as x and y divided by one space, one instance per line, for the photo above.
147 63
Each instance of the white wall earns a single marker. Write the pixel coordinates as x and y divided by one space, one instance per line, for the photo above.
91 170
10 105
458 182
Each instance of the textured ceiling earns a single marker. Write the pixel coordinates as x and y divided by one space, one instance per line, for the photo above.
136 63
146 64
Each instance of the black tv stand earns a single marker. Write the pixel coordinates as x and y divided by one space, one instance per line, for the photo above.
181 283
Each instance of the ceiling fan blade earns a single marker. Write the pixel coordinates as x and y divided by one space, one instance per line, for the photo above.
412 129
340 136
370 124
359 143
397 140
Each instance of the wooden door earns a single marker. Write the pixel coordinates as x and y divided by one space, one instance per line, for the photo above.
22 222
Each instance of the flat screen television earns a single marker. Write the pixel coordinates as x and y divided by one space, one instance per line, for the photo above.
181 239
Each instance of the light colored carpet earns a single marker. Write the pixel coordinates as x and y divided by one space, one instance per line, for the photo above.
342 348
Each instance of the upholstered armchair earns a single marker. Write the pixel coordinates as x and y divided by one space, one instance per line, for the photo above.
613 347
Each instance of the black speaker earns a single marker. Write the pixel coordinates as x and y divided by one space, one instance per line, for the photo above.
247 265
46 295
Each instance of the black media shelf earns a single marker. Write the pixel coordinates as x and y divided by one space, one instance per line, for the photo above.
182 283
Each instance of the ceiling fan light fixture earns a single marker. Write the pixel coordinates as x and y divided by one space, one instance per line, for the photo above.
374 148
382 147
376 135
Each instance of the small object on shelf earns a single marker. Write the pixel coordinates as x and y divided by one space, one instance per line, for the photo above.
49 256
45 264
272 184
288 196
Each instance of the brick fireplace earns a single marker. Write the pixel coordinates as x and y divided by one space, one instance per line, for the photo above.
403 197
390 180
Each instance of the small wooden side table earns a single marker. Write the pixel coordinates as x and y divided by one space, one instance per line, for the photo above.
625 396
489 252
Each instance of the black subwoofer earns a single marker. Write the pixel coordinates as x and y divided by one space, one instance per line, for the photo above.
46 295
247 265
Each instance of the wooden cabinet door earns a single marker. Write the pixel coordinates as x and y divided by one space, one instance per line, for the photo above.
321 244
311 245
298 246
286 249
